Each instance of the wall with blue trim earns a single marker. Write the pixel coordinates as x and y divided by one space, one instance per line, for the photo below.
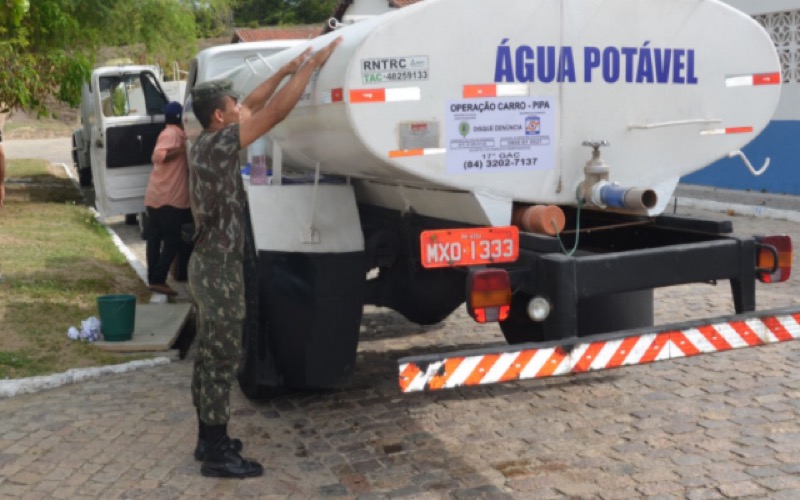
779 141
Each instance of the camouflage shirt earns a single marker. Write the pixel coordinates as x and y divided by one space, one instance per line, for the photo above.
216 191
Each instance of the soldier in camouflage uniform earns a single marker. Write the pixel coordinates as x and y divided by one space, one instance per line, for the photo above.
215 269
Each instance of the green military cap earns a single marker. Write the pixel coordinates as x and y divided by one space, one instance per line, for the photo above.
213 89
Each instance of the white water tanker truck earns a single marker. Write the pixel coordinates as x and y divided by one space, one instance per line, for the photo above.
513 155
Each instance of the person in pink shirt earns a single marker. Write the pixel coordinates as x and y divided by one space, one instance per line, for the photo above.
167 199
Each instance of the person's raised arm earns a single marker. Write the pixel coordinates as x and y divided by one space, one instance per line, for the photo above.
256 99
285 99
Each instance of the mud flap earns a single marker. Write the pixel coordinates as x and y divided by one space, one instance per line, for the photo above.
258 375
306 294
311 307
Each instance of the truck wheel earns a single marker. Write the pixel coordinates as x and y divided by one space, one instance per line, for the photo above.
143 222
519 327
84 176
249 367
131 219
309 317
424 298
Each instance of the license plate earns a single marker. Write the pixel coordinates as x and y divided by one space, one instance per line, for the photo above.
468 247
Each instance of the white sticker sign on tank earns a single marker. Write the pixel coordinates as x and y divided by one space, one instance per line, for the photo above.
500 134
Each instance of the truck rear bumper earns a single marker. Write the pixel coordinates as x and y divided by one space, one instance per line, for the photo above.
596 352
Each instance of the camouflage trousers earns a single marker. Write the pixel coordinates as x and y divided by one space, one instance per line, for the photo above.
217 288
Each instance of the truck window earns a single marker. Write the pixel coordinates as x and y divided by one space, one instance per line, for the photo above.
154 98
113 96
131 95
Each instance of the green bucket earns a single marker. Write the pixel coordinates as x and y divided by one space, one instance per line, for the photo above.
117 316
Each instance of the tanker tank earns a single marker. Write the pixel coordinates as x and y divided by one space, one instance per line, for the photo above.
496 98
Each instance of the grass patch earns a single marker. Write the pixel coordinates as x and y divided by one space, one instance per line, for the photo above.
20 169
13 128
55 260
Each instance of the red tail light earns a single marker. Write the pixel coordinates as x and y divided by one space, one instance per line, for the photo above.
489 295
774 259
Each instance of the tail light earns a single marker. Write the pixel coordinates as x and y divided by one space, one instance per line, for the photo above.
489 295
774 259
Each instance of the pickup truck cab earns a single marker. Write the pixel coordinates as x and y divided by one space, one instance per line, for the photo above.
121 118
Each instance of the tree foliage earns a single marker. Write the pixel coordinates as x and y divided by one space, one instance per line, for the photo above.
278 12
48 47
213 17
152 31
44 49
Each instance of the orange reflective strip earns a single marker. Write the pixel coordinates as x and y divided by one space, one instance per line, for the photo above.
450 365
715 338
684 344
402 153
588 357
367 95
480 371
622 352
473 91
552 364
738 130
746 333
767 79
519 364
408 375
777 329
655 348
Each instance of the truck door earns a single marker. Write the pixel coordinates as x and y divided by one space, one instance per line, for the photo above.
129 116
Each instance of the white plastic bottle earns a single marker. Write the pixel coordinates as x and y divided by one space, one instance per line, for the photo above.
258 152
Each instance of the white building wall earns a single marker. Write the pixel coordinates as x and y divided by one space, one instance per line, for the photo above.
361 9
764 6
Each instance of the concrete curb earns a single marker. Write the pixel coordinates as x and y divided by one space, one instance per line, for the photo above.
134 262
10 388
29 385
757 211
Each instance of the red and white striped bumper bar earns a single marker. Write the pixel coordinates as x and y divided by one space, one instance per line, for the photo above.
526 361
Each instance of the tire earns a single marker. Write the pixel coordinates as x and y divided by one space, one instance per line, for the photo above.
84 176
310 316
143 224
257 374
249 366
131 219
519 327
424 297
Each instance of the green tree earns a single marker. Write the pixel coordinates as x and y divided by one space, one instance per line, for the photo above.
152 31
48 47
261 12
278 12
313 11
44 50
213 17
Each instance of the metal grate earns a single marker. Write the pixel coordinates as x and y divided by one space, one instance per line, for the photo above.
784 29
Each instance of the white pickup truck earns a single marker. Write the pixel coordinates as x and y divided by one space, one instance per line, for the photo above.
122 113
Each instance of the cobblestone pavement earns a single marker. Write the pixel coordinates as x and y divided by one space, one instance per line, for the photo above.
723 425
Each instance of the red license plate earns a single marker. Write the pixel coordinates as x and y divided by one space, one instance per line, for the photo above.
467 247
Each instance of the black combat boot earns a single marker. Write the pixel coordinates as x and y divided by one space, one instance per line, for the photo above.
200 449
222 461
